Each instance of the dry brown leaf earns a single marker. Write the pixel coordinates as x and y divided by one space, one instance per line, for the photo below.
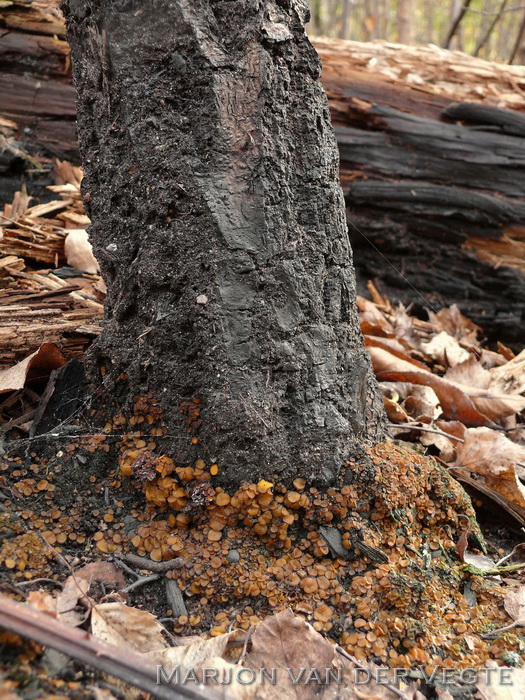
384 344
446 350
514 604
422 404
36 367
491 454
452 427
42 602
510 377
490 689
480 561
469 373
198 651
79 253
74 591
477 383
445 446
371 314
395 413
452 321
390 344
285 641
127 627
78 584
455 403
404 328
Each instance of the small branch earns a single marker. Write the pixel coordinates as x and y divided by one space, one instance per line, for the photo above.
456 23
486 36
415 426
158 567
108 658
142 581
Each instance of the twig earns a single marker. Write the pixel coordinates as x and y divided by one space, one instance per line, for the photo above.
142 581
108 658
41 580
158 567
415 426
360 666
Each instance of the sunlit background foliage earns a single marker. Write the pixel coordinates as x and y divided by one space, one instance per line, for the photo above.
491 29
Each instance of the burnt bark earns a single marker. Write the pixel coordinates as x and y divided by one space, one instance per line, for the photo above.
211 178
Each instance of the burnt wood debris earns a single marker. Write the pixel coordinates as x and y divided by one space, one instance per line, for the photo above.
433 180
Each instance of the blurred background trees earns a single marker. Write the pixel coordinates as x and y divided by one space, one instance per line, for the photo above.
492 29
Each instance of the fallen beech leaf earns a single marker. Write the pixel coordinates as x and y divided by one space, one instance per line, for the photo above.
510 377
445 446
77 586
404 328
452 427
469 373
462 543
489 689
452 321
491 454
43 602
74 590
395 412
285 641
480 561
507 353
422 403
477 383
455 403
385 360
130 628
388 345
514 604
79 253
36 367
446 350
371 314
198 651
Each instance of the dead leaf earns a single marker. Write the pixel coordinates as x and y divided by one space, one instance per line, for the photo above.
455 403
387 344
197 652
514 604
462 543
490 689
477 383
480 561
491 454
446 350
43 602
127 627
469 373
77 586
395 412
422 404
79 253
289 644
510 377
452 321
445 446
36 367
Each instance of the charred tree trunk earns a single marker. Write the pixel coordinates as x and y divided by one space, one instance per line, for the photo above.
211 178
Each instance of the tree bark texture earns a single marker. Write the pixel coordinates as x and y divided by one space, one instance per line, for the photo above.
211 178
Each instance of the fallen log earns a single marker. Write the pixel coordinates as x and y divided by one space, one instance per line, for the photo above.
432 146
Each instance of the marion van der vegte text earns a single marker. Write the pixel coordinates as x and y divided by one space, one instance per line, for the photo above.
325 676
